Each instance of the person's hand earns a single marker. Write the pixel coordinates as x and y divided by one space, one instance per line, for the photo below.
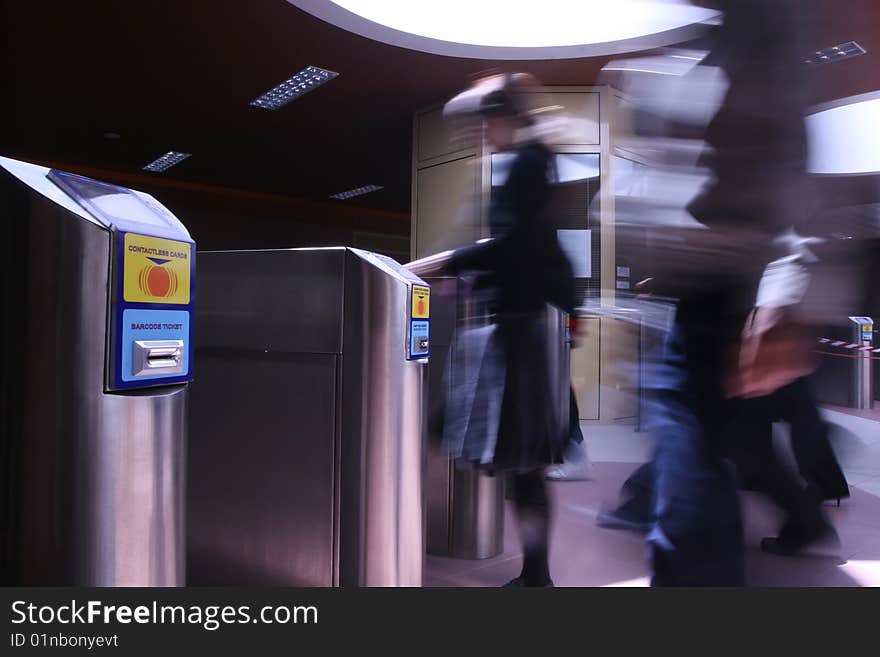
645 288
429 266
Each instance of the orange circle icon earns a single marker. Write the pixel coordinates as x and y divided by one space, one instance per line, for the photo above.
157 281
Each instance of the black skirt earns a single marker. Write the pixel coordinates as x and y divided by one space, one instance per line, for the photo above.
501 412
530 435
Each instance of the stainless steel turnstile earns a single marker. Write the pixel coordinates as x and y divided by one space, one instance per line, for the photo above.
465 505
845 377
96 355
306 453
862 374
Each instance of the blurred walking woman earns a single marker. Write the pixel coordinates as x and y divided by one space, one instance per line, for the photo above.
526 269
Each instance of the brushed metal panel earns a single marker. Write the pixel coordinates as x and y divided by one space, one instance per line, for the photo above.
261 469
438 476
559 359
131 494
476 514
382 530
279 300
325 448
96 488
465 506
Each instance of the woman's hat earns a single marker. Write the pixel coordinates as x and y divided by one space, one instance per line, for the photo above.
495 95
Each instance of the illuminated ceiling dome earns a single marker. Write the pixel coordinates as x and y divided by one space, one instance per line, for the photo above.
516 29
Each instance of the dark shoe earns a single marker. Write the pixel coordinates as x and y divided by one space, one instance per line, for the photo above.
623 518
827 497
789 543
519 581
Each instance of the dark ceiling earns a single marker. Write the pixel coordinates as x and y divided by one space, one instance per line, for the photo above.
178 75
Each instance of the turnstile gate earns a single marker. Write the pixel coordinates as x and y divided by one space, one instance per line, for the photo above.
465 505
96 351
306 454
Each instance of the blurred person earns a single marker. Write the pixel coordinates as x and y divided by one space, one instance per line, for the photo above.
816 461
526 269
805 525
770 386
776 355
748 442
754 152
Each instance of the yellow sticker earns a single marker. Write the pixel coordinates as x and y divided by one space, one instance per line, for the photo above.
421 302
155 270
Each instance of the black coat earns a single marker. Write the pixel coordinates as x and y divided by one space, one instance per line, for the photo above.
524 261
528 269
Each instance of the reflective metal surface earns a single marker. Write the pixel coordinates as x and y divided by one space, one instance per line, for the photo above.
158 356
262 468
465 505
92 482
281 300
559 358
306 456
132 517
862 374
383 425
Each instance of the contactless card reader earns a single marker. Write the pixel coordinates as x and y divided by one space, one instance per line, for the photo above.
152 282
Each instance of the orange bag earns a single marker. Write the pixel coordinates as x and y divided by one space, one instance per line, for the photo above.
774 350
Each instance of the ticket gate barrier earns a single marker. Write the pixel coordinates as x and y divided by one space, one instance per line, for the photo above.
465 505
465 516
845 376
306 425
862 373
99 280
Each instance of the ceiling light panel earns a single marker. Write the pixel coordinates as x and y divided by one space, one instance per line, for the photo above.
835 53
308 79
501 29
360 191
166 161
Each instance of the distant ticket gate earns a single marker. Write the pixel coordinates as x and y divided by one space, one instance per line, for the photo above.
306 453
845 375
97 353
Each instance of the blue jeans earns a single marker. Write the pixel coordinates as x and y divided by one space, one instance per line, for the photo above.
697 537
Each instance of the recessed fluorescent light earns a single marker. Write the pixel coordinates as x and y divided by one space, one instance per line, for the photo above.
166 161
843 138
303 82
835 53
360 191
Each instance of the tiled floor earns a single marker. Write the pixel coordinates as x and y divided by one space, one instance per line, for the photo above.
871 414
583 554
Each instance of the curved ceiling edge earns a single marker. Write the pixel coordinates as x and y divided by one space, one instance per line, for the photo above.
347 20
